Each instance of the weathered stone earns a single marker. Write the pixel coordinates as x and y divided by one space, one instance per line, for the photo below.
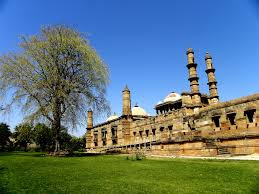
195 125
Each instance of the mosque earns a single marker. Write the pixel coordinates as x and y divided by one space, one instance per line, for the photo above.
190 123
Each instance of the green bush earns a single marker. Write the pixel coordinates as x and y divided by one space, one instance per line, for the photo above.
5 133
23 135
43 137
77 143
136 156
140 155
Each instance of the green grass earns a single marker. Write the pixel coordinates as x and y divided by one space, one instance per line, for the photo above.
34 173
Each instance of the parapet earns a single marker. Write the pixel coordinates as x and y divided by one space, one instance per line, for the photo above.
219 105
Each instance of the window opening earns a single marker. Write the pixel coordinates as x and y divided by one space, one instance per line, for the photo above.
231 117
216 121
114 135
250 115
147 133
140 134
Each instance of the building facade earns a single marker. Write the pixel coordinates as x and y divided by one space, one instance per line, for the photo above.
190 123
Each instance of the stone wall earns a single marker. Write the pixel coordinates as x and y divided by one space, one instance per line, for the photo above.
224 128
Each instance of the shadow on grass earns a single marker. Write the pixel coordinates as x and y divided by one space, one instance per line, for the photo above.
2 169
83 154
42 154
3 183
30 154
255 188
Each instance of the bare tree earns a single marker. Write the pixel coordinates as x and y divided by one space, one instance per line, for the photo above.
56 77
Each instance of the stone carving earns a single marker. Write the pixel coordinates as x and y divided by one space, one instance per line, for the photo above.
188 124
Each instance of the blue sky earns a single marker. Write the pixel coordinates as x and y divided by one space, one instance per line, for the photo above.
144 43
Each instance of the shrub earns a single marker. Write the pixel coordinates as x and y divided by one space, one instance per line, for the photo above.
139 155
77 143
43 137
5 133
23 135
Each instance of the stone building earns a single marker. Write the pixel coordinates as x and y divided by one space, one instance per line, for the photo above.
190 123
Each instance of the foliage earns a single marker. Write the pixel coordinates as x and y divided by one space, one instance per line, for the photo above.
5 134
32 173
43 137
23 135
56 77
77 143
138 155
65 139
71 143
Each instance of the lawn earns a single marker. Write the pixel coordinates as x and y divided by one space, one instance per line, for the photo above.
34 173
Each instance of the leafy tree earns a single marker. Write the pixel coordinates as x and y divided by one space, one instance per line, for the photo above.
77 143
65 139
23 135
55 77
43 136
5 133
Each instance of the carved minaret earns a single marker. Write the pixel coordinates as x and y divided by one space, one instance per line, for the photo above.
193 78
89 139
89 119
213 98
126 101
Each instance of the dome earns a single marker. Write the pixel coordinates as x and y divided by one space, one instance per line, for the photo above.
112 117
136 110
207 56
172 97
160 102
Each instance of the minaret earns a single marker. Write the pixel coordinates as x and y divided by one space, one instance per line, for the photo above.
193 78
126 101
89 119
89 135
213 98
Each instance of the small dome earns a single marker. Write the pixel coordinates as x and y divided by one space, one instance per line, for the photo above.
112 117
160 102
172 97
207 56
136 110
189 50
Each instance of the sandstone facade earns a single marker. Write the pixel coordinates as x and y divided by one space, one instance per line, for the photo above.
191 124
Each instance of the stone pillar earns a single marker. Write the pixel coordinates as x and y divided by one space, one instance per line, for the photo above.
89 119
212 83
187 103
126 130
89 135
126 102
193 78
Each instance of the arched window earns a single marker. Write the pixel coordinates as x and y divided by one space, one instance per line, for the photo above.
250 115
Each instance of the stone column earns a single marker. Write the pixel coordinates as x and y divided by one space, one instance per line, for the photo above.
109 136
126 130
212 83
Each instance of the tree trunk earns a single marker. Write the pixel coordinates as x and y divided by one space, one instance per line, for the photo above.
56 127
56 124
